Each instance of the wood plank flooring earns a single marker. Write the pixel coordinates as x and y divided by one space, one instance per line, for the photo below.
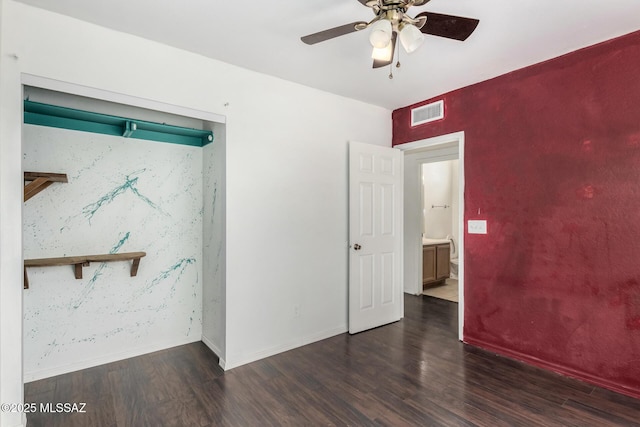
410 373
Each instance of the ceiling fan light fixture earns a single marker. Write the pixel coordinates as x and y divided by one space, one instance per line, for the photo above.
383 53
380 36
411 37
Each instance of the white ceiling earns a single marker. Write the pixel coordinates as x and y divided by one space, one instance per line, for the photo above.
265 36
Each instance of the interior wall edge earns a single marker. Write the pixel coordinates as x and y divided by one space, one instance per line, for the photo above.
11 202
209 342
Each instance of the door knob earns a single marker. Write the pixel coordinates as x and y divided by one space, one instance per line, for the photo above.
357 247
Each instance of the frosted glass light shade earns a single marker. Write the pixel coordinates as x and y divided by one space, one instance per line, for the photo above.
380 35
411 38
383 54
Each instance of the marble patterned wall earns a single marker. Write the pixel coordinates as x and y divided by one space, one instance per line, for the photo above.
123 195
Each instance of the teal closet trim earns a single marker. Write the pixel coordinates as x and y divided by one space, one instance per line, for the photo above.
36 113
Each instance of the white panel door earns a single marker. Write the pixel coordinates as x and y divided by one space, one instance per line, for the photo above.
375 236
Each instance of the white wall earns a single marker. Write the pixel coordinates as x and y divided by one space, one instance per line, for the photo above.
440 186
413 224
436 184
11 182
286 175
287 214
213 281
123 195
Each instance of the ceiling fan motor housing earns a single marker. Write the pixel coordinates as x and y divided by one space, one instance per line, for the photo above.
395 12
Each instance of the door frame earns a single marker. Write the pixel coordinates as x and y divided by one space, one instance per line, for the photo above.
424 145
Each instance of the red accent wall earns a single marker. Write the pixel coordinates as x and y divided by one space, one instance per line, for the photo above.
552 162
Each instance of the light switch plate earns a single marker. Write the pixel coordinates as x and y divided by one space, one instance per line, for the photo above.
477 226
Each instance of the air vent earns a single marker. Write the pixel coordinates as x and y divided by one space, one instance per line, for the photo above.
427 113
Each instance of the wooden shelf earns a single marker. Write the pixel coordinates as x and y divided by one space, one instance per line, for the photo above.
83 261
38 181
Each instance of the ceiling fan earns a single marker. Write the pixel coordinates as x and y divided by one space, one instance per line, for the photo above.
391 22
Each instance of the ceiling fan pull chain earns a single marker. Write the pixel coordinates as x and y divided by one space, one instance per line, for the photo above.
397 49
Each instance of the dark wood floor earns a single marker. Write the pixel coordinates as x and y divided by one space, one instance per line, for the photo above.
413 372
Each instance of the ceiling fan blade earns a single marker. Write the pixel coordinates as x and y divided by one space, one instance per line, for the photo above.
331 33
377 63
451 27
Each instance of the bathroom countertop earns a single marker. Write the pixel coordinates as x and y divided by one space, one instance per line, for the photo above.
428 241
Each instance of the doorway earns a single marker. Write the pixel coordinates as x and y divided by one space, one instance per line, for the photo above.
440 148
440 229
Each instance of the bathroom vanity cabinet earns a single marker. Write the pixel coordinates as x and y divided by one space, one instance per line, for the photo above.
435 264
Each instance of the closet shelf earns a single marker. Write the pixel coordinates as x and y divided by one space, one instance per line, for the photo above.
39 181
83 261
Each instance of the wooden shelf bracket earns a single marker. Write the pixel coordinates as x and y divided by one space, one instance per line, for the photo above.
38 181
83 261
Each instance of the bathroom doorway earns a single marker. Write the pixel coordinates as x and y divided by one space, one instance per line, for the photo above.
440 229
431 150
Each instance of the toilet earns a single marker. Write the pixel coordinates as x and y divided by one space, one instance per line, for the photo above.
453 258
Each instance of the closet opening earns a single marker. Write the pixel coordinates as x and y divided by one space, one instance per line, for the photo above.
143 187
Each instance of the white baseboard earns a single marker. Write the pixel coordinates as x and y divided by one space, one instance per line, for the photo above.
218 352
138 351
325 334
113 357
222 363
244 359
